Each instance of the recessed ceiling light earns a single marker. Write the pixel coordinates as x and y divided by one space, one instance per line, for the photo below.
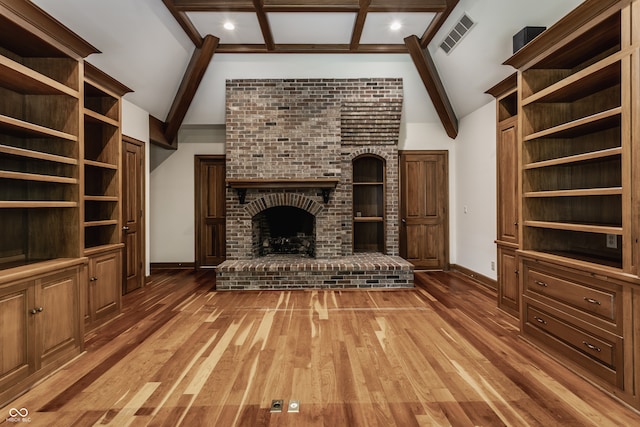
229 26
395 26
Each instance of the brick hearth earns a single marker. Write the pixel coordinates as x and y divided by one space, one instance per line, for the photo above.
359 271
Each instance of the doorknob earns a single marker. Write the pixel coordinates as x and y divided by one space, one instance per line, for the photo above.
125 228
404 221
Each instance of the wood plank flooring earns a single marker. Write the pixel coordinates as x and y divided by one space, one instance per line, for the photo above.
442 355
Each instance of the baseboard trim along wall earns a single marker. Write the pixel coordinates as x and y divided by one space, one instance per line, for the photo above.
173 265
483 280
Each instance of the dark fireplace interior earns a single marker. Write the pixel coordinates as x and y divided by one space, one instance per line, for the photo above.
284 230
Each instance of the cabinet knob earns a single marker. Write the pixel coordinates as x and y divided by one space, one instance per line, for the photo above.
33 311
36 310
125 228
40 309
93 279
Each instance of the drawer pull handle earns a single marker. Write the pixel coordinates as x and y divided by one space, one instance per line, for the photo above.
539 283
592 301
591 346
540 320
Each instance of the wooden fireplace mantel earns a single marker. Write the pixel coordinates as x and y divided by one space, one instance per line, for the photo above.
283 183
241 185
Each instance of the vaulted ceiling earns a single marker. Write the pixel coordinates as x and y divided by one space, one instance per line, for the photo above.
150 45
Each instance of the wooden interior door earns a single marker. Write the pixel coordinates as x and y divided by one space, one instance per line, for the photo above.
424 209
132 214
210 211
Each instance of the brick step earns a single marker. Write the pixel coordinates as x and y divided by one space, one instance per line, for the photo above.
361 271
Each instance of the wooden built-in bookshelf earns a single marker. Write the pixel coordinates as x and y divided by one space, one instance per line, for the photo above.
40 146
578 253
572 111
42 270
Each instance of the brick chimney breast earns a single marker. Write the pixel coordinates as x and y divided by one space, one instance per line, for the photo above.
301 129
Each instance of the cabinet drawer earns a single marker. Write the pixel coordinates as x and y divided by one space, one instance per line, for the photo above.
591 298
600 353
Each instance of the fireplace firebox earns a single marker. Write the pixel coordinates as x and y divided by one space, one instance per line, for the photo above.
284 230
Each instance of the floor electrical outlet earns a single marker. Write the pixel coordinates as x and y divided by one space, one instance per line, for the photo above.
294 406
276 405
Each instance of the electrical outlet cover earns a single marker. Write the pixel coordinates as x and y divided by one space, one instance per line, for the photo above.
294 406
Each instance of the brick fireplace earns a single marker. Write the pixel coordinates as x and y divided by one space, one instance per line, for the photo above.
290 147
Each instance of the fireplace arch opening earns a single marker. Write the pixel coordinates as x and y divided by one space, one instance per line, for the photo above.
284 230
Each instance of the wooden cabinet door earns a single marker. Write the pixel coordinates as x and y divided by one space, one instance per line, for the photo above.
507 154
16 343
133 214
58 326
424 206
104 285
210 211
508 281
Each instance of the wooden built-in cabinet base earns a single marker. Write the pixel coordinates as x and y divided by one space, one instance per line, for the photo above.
104 286
585 317
41 304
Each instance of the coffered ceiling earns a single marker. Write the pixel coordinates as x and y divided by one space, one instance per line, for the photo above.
307 26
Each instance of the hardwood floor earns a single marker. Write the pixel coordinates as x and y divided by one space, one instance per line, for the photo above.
442 354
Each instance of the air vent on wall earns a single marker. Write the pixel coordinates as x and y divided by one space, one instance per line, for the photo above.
460 29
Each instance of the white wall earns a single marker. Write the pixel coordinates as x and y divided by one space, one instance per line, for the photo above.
135 124
172 227
475 190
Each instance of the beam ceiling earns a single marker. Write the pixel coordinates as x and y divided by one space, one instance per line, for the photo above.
353 14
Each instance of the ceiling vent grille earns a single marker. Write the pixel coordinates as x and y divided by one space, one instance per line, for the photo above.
456 35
